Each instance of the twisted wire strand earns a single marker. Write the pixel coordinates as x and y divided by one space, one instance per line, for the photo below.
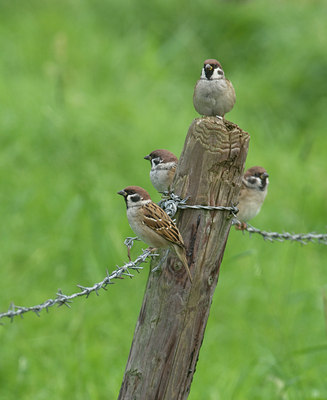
170 203
63 299
303 238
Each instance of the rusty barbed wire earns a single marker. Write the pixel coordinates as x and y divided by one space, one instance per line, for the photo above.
63 299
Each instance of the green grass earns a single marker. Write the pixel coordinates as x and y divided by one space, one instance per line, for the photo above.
87 88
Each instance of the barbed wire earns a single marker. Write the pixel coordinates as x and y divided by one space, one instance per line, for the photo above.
171 203
63 299
303 238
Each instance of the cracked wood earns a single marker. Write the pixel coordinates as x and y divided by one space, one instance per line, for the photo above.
174 313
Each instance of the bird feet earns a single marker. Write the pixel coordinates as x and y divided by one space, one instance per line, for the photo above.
241 226
161 261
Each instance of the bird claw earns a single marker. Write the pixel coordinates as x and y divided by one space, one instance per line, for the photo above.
129 254
241 226
163 259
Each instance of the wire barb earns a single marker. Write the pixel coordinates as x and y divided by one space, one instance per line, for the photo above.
171 202
303 238
63 299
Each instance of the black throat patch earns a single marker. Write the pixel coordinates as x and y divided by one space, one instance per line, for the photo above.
208 72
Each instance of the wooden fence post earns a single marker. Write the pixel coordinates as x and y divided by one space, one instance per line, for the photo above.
170 328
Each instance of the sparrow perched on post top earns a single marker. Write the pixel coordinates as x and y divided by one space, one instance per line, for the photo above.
163 167
152 224
253 192
214 95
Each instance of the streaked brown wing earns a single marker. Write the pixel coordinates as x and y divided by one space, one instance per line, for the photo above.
156 219
242 193
172 171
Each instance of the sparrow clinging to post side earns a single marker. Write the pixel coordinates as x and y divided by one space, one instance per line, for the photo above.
214 95
152 224
163 167
253 192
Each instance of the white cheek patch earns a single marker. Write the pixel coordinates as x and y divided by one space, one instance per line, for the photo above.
253 182
155 162
216 74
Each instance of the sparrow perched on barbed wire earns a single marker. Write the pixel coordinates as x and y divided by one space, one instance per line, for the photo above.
253 192
214 95
163 167
151 223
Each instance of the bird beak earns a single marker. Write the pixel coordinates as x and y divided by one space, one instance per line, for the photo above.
208 67
264 175
147 157
122 193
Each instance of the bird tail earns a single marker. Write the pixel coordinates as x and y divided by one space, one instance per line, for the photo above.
180 251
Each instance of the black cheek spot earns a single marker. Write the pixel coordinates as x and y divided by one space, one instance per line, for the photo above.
252 180
156 161
135 198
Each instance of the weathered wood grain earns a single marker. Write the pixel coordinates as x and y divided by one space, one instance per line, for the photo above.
170 328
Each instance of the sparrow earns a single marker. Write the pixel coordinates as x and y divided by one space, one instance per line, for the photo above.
214 95
151 223
163 167
253 192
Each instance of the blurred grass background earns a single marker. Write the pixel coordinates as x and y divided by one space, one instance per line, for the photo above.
87 88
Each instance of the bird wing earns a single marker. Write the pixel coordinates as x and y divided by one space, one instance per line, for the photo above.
157 219
173 169
242 193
